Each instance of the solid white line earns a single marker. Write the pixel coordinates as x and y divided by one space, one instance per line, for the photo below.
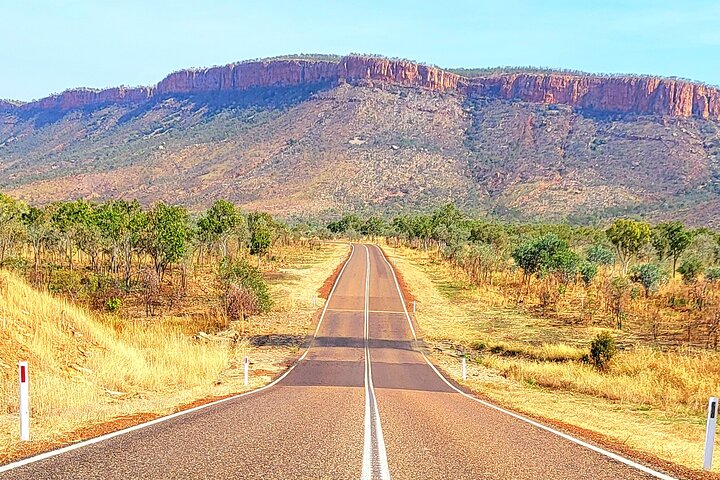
108 436
517 416
372 415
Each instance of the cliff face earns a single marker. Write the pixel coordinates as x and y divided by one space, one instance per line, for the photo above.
643 95
398 72
640 95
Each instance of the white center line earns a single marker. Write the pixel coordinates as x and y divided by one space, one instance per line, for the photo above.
375 464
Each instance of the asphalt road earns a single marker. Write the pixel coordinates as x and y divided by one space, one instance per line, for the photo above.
362 403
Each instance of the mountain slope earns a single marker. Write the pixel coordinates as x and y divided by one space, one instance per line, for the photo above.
304 136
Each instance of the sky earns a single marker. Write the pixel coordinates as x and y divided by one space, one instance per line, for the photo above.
47 46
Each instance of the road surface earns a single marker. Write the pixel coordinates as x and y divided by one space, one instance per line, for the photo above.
361 403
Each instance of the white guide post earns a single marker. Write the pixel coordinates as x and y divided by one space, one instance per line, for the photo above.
247 366
414 306
710 432
24 379
464 368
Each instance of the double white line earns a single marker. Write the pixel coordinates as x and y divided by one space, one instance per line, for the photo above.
375 464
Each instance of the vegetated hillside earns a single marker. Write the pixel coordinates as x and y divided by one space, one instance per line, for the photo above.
296 136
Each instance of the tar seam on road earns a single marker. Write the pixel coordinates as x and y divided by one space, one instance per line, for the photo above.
102 438
572 439
375 464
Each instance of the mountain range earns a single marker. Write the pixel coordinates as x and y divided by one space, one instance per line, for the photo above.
314 134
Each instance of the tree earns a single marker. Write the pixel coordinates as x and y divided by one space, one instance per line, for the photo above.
349 223
374 226
38 230
219 223
628 237
544 255
649 275
68 220
167 235
11 226
670 240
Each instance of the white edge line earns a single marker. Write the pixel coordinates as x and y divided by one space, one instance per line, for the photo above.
108 436
577 441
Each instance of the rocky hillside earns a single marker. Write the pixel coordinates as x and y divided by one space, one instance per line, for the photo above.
308 135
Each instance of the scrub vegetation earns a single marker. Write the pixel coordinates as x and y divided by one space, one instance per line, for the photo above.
125 312
612 328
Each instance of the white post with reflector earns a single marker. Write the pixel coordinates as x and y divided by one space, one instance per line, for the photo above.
247 367
414 306
464 368
24 378
710 432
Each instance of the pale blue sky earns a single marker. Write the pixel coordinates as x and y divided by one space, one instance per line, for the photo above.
48 46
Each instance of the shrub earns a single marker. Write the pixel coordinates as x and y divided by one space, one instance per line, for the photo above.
649 275
712 274
588 270
65 281
602 349
246 276
600 255
240 301
690 269
18 264
113 304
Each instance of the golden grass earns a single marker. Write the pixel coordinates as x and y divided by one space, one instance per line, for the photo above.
650 400
87 368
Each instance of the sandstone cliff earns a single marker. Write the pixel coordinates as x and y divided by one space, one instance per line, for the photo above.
642 95
639 95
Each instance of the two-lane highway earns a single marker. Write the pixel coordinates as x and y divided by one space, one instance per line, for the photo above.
362 402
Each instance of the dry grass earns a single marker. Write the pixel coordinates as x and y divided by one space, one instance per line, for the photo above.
88 368
649 400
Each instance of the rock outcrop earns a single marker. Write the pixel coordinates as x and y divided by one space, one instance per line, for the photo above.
638 95
641 95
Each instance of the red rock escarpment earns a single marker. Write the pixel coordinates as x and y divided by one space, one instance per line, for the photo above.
639 95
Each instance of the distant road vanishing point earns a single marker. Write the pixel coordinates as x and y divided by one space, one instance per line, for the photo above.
362 402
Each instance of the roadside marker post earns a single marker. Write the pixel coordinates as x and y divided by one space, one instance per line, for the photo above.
414 306
24 379
464 368
247 366
710 432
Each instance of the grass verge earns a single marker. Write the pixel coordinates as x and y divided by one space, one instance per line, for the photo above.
650 401
93 373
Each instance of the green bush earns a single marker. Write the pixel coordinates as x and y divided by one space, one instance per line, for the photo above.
690 269
588 271
18 264
649 275
600 255
65 281
602 349
242 274
712 274
113 304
